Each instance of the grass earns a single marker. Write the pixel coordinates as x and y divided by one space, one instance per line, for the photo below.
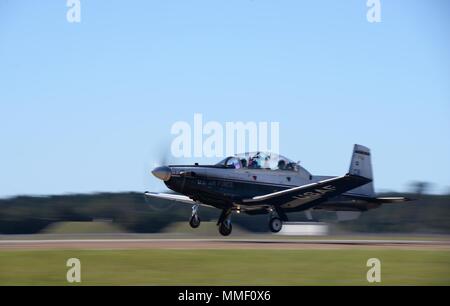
225 267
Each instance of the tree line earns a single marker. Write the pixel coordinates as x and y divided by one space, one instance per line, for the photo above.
130 210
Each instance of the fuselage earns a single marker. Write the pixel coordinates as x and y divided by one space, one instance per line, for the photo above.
222 187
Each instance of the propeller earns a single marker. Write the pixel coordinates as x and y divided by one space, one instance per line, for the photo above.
163 156
160 157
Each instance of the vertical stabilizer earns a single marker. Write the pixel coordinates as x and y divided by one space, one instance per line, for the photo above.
361 165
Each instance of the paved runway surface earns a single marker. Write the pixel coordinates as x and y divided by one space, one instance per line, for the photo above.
226 243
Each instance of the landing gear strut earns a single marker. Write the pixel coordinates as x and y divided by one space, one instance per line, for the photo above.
224 222
275 222
194 222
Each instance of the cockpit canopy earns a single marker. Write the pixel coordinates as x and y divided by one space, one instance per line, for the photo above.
259 160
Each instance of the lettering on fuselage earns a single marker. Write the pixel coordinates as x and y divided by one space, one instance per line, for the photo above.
316 193
214 183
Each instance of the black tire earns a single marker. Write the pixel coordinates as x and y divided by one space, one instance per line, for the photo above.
225 230
275 225
194 222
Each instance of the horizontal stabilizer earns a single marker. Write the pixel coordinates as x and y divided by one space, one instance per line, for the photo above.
381 200
387 200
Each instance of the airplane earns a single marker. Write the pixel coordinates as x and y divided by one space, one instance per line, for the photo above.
266 183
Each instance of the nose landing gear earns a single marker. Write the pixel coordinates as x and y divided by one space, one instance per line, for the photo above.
194 221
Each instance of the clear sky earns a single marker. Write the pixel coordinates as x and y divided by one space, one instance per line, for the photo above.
88 106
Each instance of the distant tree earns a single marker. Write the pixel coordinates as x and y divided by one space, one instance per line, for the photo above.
420 187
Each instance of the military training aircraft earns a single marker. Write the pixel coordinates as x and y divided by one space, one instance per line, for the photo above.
265 183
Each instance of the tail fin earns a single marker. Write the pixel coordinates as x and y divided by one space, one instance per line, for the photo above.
361 165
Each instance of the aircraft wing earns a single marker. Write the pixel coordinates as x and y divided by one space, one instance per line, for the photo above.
309 195
172 197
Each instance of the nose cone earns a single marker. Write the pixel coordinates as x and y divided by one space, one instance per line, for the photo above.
163 173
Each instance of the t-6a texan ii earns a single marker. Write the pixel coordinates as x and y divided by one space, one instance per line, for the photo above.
265 183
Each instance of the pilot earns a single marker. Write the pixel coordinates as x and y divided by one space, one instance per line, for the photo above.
252 163
244 163
281 164
290 166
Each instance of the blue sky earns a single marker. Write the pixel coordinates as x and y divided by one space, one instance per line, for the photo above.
88 107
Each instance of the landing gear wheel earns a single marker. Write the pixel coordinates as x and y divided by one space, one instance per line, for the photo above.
225 228
194 222
275 225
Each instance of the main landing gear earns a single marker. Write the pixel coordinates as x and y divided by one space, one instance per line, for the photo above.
276 222
225 228
194 222
224 222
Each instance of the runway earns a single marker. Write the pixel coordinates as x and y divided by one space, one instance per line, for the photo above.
227 243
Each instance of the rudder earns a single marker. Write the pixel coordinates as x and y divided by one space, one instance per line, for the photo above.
361 165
